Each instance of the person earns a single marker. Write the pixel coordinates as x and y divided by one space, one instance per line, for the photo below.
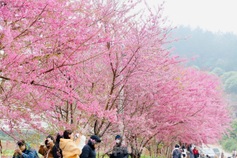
195 152
176 153
89 150
119 151
68 146
234 154
0 149
58 137
184 152
222 155
24 151
49 149
190 150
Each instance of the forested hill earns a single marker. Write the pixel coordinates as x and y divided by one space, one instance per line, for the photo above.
205 49
214 52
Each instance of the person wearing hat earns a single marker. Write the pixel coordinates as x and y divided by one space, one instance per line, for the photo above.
88 150
24 151
119 151
176 153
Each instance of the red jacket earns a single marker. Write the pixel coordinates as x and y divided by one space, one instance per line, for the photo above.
195 151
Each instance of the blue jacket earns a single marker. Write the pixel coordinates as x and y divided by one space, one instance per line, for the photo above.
27 153
176 153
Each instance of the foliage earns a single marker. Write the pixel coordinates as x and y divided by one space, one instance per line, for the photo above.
230 81
205 49
229 144
3 136
7 153
218 71
229 141
227 75
231 84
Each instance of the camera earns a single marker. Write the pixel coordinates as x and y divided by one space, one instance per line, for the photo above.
77 135
47 143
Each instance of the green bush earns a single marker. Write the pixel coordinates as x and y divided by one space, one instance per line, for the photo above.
229 144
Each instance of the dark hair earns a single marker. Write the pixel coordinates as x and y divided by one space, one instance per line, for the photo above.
66 133
51 137
47 141
21 143
58 137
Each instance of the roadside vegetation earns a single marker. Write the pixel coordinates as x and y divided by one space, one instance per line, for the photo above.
229 141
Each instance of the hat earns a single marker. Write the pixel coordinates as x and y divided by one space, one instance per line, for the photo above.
118 137
176 146
96 138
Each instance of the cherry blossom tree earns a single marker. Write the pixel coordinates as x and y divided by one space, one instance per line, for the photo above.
178 105
62 61
44 49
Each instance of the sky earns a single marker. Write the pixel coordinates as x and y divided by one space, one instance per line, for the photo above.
211 15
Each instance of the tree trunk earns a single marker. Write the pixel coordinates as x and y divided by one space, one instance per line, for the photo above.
135 155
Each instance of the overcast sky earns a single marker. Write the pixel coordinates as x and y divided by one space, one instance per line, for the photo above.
212 15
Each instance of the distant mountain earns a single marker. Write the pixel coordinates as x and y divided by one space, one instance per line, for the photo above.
206 49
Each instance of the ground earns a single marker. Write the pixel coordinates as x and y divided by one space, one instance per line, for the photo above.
226 154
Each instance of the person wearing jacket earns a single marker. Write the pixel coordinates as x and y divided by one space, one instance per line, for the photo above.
190 150
88 150
49 150
68 146
24 151
195 152
176 153
119 151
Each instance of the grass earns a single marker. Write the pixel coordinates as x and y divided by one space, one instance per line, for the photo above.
7 152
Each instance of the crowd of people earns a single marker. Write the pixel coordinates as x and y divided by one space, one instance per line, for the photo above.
189 151
71 145
68 145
